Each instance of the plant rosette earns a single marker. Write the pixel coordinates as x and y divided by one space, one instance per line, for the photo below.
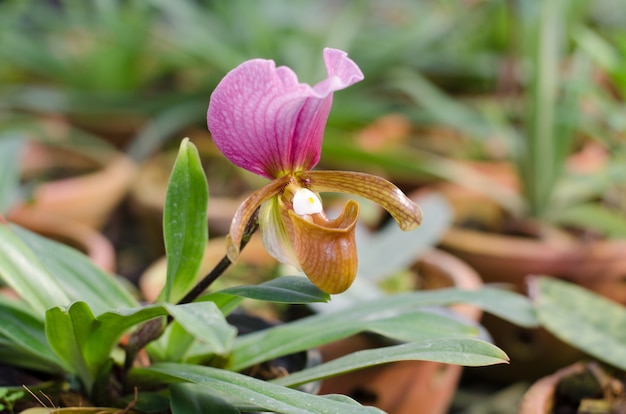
83 328
74 321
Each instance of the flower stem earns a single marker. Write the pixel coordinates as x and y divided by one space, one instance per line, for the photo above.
153 329
220 268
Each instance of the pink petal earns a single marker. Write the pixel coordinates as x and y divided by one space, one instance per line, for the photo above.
266 122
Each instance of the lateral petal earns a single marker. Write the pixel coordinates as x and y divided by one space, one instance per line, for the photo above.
407 214
245 212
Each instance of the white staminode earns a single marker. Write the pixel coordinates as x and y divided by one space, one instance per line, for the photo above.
306 202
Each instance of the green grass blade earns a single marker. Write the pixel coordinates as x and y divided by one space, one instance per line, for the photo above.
459 351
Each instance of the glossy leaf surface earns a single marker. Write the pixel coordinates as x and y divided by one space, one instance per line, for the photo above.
285 289
184 222
247 393
461 351
76 274
22 339
85 342
22 270
190 398
386 316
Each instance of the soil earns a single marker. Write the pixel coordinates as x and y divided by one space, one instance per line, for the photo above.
597 390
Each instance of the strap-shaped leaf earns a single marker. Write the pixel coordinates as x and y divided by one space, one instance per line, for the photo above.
581 318
190 398
23 341
285 289
459 351
247 393
204 322
23 271
184 222
76 274
371 315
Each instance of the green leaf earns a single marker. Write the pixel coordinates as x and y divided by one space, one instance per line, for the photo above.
184 222
459 351
385 316
76 274
285 289
199 331
582 319
191 399
22 270
433 323
225 302
205 323
23 341
404 325
247 393
84 342
68 332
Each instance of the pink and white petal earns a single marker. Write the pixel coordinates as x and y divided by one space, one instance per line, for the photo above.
266 122
309 133
407 214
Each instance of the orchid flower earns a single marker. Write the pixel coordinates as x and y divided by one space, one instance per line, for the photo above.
265 121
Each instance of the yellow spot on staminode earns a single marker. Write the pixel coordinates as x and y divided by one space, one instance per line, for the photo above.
306 202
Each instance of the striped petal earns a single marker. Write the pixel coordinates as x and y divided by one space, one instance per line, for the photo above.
246 210
407 214
326 249
266 122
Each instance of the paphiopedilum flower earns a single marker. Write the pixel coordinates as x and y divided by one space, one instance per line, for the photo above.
265 121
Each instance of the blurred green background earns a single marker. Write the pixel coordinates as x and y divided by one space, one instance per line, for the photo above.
449 85
460 79
454 90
